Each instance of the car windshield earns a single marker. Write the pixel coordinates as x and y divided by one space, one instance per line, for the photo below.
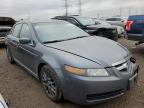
57 31
86 21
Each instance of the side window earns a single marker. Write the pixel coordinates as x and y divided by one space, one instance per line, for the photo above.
25 32
16 30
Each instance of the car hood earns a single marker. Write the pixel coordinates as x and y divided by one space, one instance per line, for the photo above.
101 26
96 49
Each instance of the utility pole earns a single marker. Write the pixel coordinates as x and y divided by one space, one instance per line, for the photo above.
80 9
120 10
98 15
136 12
129 10
66 7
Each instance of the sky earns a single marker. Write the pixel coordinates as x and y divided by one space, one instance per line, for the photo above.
50 8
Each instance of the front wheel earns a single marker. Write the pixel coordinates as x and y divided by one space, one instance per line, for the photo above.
9 56
50 84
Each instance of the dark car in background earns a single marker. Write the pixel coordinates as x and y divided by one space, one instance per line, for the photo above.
135 28
5 26
89 25
120 30
70 63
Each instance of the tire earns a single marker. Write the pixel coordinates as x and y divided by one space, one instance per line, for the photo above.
50 83
9 56
115 38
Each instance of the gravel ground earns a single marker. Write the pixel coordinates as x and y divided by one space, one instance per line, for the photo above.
24 91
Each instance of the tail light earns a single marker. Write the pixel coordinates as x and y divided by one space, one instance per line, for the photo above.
129 25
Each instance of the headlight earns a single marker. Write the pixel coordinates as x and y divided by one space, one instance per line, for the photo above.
86 72
97 72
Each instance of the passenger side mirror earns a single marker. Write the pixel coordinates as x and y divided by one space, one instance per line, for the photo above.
24 40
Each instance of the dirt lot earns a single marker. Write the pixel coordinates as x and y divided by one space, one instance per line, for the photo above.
24 91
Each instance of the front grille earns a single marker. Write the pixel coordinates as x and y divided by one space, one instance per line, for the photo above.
91 97
3 33
108 33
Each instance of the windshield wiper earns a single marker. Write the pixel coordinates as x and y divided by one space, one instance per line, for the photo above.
54 41
77 37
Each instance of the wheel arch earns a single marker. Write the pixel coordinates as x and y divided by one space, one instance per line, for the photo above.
39 69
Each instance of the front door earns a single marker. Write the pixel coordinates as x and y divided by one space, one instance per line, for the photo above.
27 55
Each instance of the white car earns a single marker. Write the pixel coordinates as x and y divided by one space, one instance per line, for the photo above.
119 21
2 102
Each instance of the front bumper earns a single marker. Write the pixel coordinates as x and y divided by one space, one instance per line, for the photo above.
93 90
2 40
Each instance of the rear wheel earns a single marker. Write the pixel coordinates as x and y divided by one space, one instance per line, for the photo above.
50 84
9 56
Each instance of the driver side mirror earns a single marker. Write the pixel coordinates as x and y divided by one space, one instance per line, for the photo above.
24 40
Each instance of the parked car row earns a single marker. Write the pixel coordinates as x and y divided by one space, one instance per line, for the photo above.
90 26
69 62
